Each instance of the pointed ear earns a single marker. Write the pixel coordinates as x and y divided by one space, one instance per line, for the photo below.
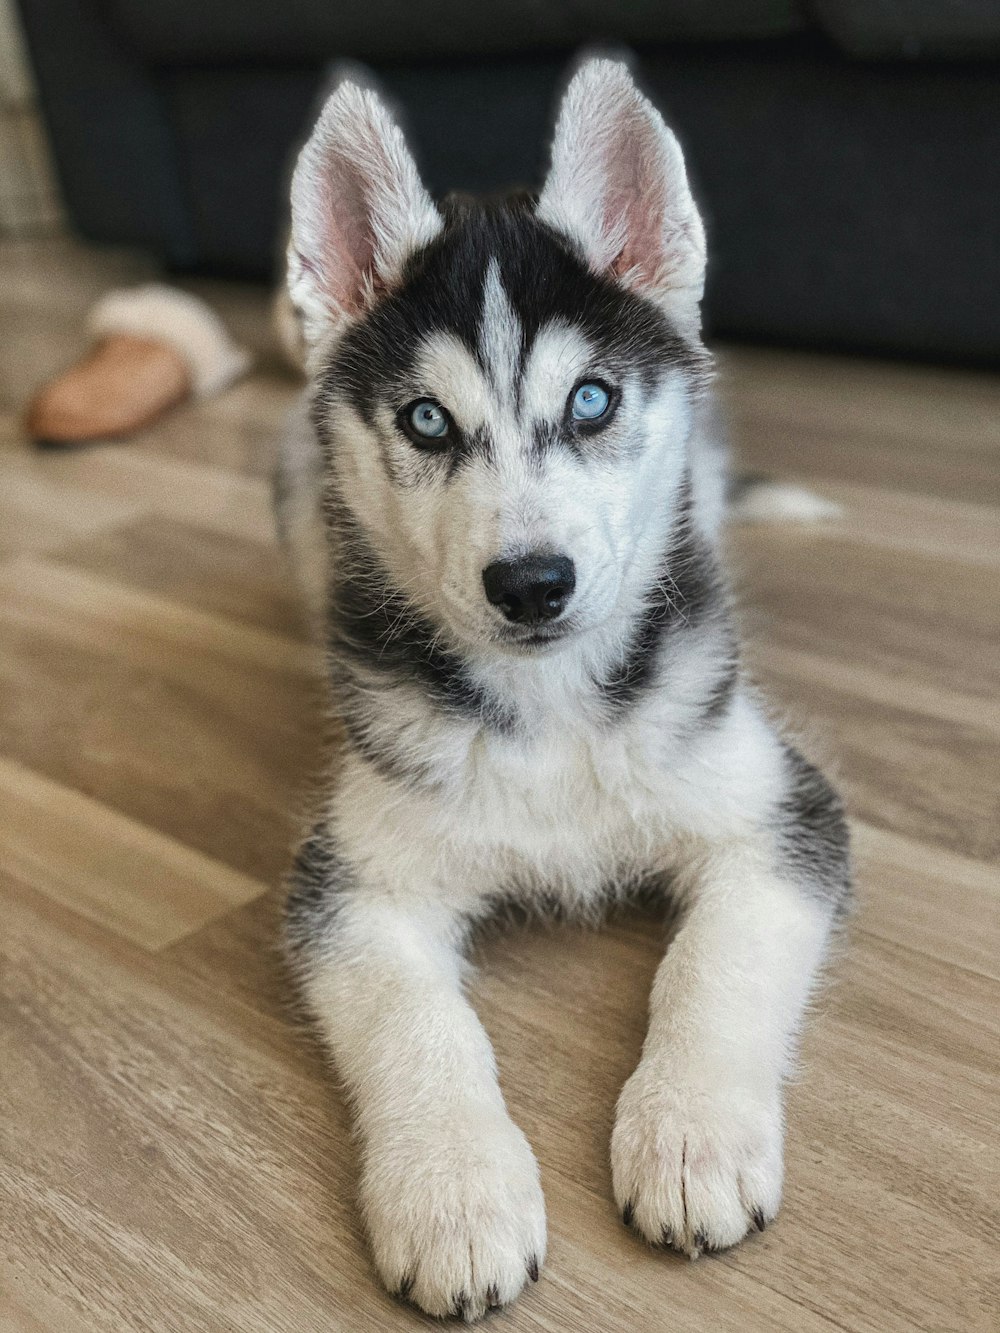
358 211
618 188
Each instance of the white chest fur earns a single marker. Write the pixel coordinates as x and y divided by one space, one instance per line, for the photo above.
562 812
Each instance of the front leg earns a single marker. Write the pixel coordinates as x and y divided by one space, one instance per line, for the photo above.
449 1186
697 1148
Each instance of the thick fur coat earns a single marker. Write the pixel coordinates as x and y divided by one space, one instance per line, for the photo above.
499 388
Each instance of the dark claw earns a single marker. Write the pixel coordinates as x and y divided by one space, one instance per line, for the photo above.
628 1212
759 1220
533 1268
404 1288
701 1243
492 1296
461 1307
667 1238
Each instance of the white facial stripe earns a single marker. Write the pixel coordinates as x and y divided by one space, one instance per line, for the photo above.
559 356
448 371
558 359
500 334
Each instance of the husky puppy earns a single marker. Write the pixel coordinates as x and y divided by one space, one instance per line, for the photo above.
503 501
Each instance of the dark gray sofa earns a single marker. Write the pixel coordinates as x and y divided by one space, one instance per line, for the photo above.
846 152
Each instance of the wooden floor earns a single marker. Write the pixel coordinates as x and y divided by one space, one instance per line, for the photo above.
172 1153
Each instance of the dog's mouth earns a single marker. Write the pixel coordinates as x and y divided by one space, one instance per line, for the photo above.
535 638
519 640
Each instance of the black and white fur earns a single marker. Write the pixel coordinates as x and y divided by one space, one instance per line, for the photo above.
487 763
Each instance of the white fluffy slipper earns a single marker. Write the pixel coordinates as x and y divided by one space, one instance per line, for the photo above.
183 322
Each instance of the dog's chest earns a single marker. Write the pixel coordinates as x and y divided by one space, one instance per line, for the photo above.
563 806
578 802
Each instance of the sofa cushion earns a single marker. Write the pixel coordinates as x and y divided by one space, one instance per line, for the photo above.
913 29
233 31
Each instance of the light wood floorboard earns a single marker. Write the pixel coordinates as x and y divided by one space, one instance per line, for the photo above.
174 1157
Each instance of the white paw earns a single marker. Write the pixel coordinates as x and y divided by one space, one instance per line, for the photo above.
696 1164
454 1210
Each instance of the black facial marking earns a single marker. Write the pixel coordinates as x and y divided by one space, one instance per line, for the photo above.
812 833
474 444
548 435
316 881
544 278
376 625
688 589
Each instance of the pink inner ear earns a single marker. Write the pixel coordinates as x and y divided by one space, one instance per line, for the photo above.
635 202
347 248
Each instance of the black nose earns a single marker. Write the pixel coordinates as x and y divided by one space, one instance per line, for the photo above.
532 589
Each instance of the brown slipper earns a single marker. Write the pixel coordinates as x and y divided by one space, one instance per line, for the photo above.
153 348
121 385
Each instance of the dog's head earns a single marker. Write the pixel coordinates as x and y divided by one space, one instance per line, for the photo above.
505 390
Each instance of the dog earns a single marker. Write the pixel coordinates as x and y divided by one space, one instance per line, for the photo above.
503 497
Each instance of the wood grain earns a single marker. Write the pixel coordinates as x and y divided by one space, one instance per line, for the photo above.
110 869
173 1153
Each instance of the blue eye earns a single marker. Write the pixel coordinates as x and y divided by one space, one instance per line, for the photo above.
590 401
427 419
